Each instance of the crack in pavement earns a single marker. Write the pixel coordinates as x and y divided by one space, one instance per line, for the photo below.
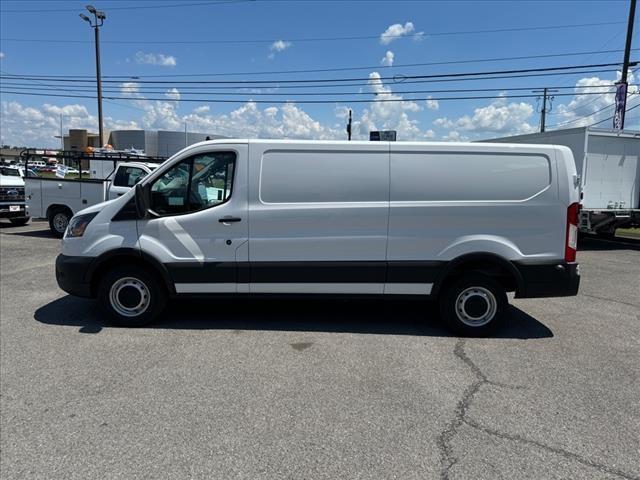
608 299
448 458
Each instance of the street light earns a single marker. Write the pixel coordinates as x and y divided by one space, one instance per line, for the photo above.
98 20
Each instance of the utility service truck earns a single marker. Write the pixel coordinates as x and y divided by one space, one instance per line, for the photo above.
59 196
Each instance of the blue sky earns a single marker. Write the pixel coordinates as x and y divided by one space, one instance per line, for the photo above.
426 31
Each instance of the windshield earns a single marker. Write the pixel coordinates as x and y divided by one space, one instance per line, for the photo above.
9 172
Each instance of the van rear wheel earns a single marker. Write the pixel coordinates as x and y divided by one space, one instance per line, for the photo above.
131 297
474 305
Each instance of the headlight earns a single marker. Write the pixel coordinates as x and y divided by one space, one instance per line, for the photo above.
78 225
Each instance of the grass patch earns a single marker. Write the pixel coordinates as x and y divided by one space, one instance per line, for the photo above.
628 232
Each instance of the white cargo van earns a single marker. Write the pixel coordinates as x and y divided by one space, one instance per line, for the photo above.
464 222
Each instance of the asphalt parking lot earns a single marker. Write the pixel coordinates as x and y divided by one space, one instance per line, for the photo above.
317 389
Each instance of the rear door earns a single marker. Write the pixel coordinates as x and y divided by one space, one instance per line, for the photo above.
200 227
318 217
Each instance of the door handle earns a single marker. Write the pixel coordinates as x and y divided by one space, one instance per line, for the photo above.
229 219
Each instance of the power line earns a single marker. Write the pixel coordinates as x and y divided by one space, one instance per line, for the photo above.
319 39
108 101
405 82
370 67
132 7
396 78
332 101
83 88
587 116
582 117
582 105
611 117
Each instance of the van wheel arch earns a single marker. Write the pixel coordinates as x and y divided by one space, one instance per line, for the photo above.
487 264
106 262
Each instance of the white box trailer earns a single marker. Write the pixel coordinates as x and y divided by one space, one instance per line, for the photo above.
608 164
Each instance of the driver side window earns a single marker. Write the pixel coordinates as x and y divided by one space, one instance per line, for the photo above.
196 183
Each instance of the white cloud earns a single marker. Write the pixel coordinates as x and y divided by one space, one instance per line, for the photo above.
586 108
432 104
453 136
130 88
248 120
1 55
387 60
278 46
388 112
173 94
443 122
395 31
497 118
159 59
37 127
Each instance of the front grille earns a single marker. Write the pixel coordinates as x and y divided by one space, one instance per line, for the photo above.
11 194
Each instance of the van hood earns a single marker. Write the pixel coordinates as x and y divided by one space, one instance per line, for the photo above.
102 205
97 207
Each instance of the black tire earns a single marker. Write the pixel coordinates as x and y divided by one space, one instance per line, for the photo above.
483 315
58 221
132 290
19 221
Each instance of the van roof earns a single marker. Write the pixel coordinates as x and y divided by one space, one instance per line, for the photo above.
450 145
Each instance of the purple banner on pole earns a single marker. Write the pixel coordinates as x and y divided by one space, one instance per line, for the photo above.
621 105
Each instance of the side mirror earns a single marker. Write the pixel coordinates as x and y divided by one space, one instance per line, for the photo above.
143 200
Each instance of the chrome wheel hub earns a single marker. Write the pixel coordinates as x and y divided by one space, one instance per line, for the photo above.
476 306
129 297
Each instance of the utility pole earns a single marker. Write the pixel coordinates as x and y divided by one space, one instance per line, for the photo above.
627 47
621 86
543 112
349 127
61 135
98 20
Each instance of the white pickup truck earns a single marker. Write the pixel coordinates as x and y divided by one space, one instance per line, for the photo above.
12 204
58 199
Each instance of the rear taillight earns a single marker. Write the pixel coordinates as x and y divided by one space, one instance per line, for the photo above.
571 244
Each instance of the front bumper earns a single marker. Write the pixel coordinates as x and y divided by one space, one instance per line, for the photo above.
549 279
22 212
71 273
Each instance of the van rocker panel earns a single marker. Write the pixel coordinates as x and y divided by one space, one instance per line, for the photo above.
544 279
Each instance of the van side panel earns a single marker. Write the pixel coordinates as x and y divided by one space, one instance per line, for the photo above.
448 202
311 205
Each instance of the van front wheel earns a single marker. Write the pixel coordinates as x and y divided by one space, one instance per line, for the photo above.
474 305
131 297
